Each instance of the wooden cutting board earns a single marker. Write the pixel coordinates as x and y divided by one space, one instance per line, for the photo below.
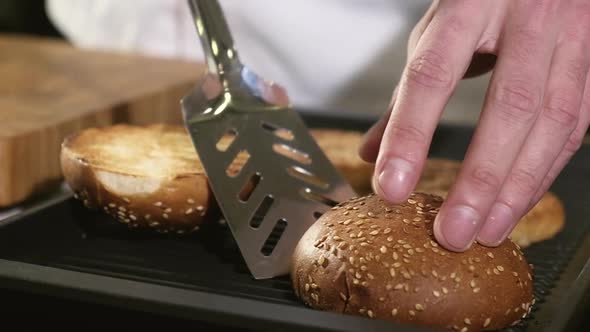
49 89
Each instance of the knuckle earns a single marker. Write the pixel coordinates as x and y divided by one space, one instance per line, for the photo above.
430 69
483 179
574 143
561 110
517 101
408 134
524 180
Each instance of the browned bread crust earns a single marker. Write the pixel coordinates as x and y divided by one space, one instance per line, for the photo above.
369 258
341 148
144 176
542 222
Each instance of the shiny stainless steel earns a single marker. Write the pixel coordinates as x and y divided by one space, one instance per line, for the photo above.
233 97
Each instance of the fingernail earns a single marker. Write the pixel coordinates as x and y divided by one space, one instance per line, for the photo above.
459 226
394 181
497 225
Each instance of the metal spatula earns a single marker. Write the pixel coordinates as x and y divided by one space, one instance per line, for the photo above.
266 172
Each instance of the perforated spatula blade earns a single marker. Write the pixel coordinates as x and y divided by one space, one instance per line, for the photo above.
268 175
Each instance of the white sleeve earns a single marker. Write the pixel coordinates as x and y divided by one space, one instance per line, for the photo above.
152 27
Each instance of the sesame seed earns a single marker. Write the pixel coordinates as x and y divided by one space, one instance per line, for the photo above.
361 216
370 313
364 244
371 214
419 249
389 238
417 219
392 272
500 268
347 221
321 260
358 275
467 321
188 211
395 255
200 208
375 232
355 281
457 279
464 329
122 209
412 313
490 255
190 201
343 296
529 276
112 205
370 276
514 253
406 288
364 284
307 287
515 274
406 275
363 268
398 286
436 293
165 216
496 271
453 275
487 322
158 204
154 224
397 264
472 283
434 273
394 312
147 216
476 290
387 231
388 287
180 231
419 307
411 201
471 268
411 251
132 217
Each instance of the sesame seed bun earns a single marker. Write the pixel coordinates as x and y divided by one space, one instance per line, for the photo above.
545 220
369 258
144 176
341 148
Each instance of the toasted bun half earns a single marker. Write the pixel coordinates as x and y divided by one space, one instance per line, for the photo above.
545 220
144 176
341 147
369 258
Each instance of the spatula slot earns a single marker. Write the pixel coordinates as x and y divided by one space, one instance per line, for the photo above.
261 212
292 153
274 237
313 196
226 140
279 132
307 177
236 166
249 187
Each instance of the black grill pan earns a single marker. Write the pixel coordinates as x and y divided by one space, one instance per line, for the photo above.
60 249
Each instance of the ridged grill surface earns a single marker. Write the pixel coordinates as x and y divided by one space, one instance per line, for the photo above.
68 236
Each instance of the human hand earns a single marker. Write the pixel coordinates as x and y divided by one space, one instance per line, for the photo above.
535 115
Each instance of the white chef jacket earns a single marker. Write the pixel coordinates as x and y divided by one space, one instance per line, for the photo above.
341 55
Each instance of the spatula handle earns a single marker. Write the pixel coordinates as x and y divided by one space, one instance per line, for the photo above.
215 36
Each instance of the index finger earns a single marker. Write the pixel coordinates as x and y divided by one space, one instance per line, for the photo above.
440 60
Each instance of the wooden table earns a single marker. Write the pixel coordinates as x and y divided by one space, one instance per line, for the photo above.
49 89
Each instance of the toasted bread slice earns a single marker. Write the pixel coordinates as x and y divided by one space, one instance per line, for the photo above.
542 222
144 176
341 148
